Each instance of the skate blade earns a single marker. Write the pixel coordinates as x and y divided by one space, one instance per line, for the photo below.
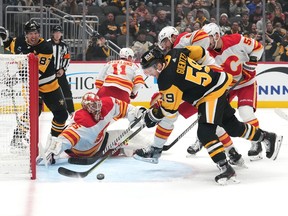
39 160
278 142
225 181
148 160
256 157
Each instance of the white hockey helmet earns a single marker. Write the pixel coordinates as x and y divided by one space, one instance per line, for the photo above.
92 103
125 53
166 32
212 29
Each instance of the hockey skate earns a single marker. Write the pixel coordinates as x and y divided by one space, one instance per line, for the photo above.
272 144
195 147
255 152
149 154
235 158
227 173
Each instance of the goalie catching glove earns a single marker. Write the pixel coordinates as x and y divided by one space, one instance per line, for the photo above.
249 71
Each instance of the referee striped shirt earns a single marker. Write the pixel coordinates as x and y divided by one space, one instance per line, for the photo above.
61 55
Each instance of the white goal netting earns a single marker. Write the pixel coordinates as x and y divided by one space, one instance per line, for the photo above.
18 104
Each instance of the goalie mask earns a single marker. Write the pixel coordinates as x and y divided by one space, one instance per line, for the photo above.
92 103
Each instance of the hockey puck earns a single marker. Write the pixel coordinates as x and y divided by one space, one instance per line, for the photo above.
100 176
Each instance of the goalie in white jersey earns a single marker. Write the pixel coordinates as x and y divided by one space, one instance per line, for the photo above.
87 133
121 78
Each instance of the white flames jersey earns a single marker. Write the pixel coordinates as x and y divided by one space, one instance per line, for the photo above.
236 50
197 38
85 134
121 74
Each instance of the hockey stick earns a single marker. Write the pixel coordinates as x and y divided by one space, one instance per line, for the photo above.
76 174
91 160
108 151
281 114
167 147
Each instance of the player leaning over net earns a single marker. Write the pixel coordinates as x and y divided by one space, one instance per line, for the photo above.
49 89
239 56
181 78
87 133
169 38
121 78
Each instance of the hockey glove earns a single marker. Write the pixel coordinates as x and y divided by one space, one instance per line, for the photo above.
133 95
153 117
249 71
135 112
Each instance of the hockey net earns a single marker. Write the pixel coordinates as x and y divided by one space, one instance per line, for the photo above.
18 108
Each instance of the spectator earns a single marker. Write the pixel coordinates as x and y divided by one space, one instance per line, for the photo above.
148 26
201 18
197 26
284 50
257 15
141 44
245 24
109 29
133 27
161 21
252 6
196 6
97 49
69 7
235 29
224 23
187 21
238 7
141 11
179 15
272 5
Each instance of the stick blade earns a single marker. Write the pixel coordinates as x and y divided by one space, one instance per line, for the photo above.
70 173
82 161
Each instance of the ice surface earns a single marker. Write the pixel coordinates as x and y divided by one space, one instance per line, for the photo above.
178 185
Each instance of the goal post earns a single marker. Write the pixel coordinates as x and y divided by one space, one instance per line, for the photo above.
18 109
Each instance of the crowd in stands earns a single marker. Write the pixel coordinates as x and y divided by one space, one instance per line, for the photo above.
148 17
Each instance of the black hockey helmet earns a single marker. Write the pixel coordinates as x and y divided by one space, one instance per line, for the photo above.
31 26
4 34
151 58
57 28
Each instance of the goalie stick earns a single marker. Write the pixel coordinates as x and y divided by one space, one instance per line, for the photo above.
281 114
76 174
91 160
107 152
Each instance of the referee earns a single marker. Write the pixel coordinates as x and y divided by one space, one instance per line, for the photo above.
61 61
